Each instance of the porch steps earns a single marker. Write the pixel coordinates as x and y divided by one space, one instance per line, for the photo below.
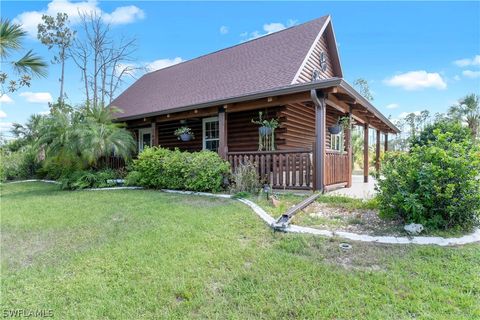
284 220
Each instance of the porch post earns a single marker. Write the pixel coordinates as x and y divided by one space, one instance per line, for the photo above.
154 133
222 130
365 152
386 142
318 99
348 139
377 152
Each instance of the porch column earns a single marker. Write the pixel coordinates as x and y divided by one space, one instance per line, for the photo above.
377 152
365 152
386 142
348 139
318 99
222 130
154 134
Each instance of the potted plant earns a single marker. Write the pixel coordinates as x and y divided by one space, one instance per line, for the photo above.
266 132
342 123
184 134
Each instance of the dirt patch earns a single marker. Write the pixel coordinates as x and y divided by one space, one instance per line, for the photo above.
325 216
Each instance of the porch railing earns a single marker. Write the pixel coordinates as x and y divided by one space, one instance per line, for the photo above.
336 167
111 163
289 169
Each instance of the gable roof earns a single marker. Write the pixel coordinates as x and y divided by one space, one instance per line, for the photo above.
266 63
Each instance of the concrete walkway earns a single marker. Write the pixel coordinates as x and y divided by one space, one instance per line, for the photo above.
359 189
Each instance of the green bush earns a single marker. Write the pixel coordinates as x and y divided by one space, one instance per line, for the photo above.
430 134
88 179
21 164
436 183
172 169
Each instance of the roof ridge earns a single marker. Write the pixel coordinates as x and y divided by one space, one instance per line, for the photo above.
239 44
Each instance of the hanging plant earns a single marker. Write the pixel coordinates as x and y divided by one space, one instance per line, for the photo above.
266 132
342 123
184 134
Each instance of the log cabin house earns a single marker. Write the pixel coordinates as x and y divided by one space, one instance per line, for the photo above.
293 75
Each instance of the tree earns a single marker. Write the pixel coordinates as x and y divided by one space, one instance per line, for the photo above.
28 65
79 138
55 33
468 110
364 88
103 60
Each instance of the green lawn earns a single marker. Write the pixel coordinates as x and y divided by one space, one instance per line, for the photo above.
144 254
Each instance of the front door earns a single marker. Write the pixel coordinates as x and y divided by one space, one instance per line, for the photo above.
144 138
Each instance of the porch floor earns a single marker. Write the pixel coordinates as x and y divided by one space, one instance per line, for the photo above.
359 189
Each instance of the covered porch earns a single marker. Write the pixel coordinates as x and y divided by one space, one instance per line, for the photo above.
306 156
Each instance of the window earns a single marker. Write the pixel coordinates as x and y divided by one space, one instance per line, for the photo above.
336 141
211 136
144 138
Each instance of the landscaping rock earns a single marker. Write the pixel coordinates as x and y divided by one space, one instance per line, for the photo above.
275 202
413 228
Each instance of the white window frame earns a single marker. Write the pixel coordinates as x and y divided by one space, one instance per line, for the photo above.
337 146
141 132
204 138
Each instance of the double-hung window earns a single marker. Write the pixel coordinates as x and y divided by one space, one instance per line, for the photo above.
211 136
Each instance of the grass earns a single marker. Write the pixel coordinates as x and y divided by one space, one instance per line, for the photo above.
135 254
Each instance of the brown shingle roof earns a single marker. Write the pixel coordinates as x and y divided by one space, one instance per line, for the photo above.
265 63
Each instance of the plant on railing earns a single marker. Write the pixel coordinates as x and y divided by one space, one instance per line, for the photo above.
184 134
266 132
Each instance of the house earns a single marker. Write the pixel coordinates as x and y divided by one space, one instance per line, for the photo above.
293 75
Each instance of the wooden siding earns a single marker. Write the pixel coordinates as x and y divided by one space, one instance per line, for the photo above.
298 122
313 62
243 134
167 139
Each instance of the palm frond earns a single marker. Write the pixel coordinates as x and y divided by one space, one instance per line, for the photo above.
31 63
11 36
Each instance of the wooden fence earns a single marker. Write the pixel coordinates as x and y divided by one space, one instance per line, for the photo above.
289 169
336 167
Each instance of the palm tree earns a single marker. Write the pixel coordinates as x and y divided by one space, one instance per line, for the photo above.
100 137
11 36
468 111
80 138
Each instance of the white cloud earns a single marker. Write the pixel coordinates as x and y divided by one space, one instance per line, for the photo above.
269 28
5 99
415 80
223 29
456 77
162 63
475 61
121 15
392 106
37 97
404 114
471 74
2 114
124 15
5 126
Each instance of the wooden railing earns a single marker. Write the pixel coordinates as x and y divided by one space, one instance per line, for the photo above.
336 167
111 163
289 169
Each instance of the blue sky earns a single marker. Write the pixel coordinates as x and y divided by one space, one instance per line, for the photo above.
415 56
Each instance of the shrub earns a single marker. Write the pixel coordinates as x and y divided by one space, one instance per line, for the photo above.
245 178
21 164
172 169
430 133
88 179
435 184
